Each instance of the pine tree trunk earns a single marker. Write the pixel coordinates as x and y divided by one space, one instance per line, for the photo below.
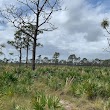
34 55
35 43
27 56
20 57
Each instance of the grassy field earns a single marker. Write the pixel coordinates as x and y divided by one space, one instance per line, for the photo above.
55 88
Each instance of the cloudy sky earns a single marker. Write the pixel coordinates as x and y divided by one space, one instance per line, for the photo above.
79 31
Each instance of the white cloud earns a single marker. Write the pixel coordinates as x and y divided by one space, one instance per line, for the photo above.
79 31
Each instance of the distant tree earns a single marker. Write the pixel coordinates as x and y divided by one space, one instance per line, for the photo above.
50 61
39 59
106 62
28 41
97 61
28 44
11 54
77 60
62 62
18 43
84 61
2 46
45 60
71 58
5 60
55 57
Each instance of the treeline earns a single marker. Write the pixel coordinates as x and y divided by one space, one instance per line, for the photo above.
72 60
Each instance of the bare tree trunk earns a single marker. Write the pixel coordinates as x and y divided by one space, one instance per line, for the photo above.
27 56
34 55
20 57
35 42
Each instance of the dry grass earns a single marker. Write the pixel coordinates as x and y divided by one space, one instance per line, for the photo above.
7 103
69 102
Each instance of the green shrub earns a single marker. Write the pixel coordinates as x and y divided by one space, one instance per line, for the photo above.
45 102
54 83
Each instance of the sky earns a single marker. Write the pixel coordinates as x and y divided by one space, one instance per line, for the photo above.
79 31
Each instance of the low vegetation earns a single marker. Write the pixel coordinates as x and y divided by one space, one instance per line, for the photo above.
85 88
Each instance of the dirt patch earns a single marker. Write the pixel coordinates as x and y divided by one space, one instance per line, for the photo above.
67 105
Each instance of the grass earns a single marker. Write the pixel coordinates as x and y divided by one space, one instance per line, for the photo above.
83 88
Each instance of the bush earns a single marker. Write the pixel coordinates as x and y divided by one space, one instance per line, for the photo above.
45 102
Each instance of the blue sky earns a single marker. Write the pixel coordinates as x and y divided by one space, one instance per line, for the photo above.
94 2
79 31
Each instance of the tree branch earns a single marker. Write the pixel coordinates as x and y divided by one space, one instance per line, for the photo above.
27 6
